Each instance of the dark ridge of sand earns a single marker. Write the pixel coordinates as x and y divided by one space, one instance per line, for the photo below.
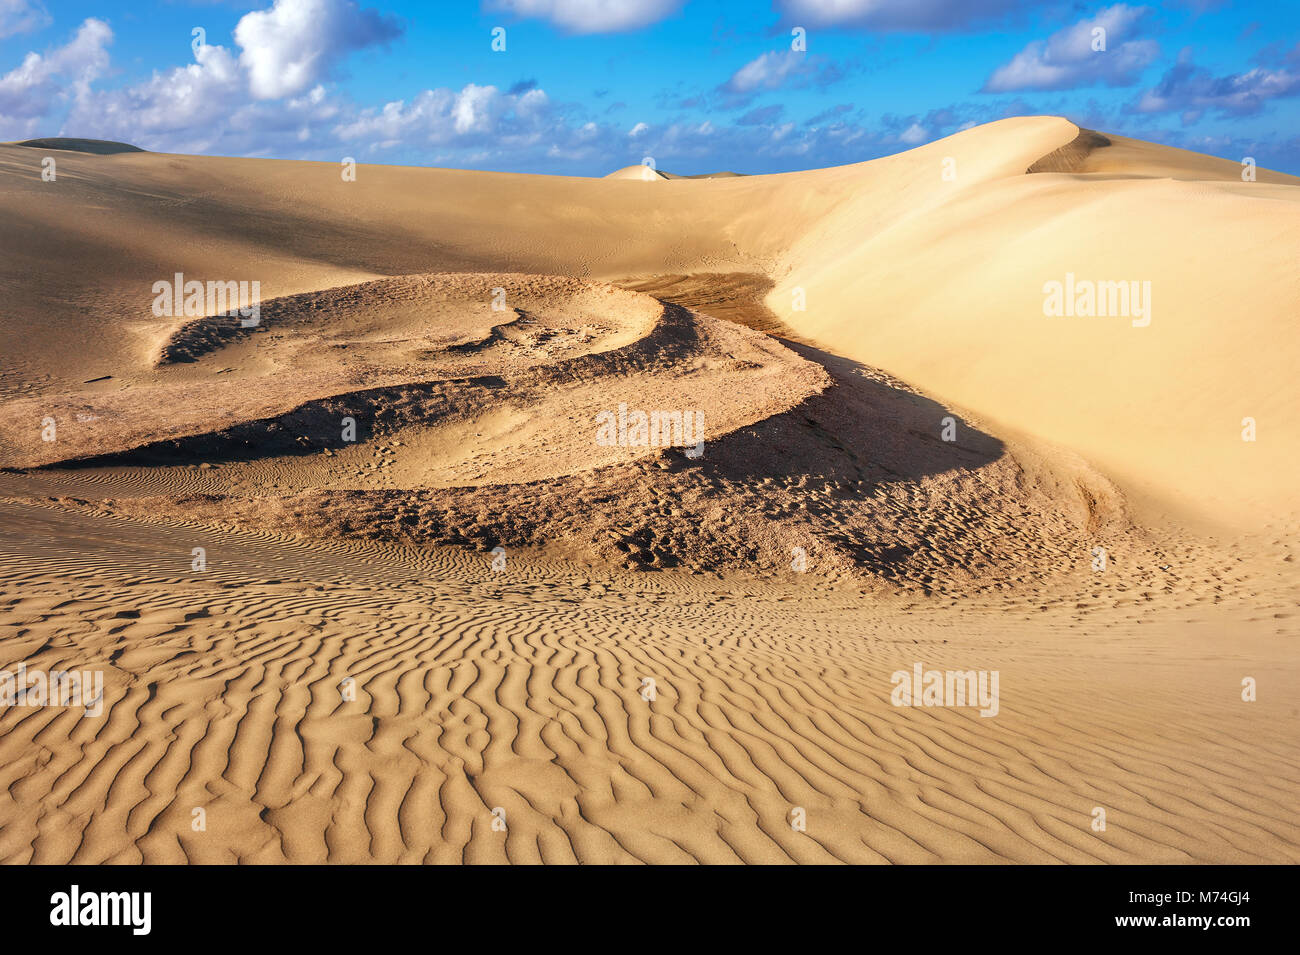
101 147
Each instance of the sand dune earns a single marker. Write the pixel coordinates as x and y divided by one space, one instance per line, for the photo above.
1159 407
641 172
455 610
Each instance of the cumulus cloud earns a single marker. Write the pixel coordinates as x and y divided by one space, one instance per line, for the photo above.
21 16
263 92
591 16
295 43
898 15
209 105
30 90
170 108
476 115
1067 60
1191 89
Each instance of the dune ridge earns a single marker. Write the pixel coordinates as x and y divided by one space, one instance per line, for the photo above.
1073 155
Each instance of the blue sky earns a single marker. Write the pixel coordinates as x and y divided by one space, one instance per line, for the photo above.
584 87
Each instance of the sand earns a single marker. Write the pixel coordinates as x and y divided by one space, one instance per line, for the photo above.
434 641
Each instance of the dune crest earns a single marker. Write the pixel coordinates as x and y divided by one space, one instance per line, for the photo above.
1160 407
100 147
641 171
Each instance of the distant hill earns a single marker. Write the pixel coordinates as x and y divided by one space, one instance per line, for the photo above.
648 174
103 147
639 171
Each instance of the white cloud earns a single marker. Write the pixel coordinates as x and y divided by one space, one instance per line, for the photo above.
290 46
637 130
476 114
914 134
1067 60
1191 89
476 109
184 108
21 16
768 71
245 100
591 16
30 90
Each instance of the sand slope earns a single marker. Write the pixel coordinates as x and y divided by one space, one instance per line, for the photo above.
945 288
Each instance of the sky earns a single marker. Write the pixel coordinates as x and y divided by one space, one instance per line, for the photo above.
583 87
